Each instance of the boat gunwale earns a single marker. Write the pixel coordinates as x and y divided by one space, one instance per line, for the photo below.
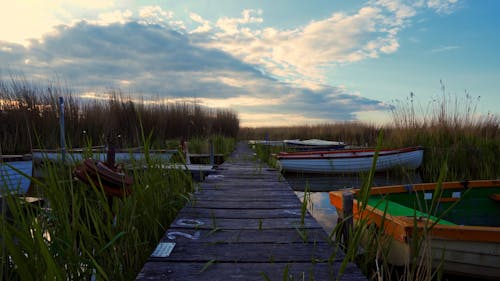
102 150
402 227
335 154
311 142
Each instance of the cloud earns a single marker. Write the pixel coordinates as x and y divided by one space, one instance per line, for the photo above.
443 6
205 25
444 49
232 62
21 20
306 54
117 16
155 61
301 55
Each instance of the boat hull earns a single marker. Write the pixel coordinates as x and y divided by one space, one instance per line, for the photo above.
354 161
11 180
470 250
78 156
313 145
112 181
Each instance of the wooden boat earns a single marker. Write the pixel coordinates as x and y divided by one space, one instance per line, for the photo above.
313 144
16 172
466 239
349 160
15 176
266 142
113 181
77 155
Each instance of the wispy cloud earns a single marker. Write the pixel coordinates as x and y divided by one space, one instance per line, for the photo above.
261 71
155 61
443 6
303 54
444 49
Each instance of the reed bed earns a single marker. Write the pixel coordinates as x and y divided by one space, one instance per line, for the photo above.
78 233
30 116
366 243
449 129
459 144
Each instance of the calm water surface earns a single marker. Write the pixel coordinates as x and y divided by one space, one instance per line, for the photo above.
326 214
320 185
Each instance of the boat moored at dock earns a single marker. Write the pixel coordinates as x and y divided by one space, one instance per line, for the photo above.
350 160
459 221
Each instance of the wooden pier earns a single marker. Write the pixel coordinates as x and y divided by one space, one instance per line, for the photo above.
245 223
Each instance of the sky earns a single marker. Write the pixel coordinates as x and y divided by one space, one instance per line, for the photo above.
276 63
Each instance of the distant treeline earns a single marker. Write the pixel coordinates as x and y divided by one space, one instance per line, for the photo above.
29 119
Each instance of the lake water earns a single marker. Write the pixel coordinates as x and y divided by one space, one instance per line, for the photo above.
320 185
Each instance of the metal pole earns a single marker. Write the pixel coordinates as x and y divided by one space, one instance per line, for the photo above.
61 125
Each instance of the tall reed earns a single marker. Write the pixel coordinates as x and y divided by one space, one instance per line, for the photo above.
28 109
448 128
80 232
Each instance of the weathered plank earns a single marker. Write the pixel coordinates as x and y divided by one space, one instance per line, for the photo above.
190 235
218 271
240 213
246 223
250 193
288 198
221 204
253 252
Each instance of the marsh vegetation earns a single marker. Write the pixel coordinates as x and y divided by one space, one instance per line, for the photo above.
77 232
448 128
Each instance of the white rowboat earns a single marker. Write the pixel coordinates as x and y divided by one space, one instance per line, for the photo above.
349 160
314 144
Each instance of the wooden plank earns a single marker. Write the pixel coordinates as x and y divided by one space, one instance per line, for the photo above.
190 235
240 213
246 271
252 252
244 197
262 189
221 204
246 223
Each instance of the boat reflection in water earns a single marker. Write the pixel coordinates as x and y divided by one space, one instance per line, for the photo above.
320 185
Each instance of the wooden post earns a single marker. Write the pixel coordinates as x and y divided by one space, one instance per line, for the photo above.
186 152
212 157
110 155
61 125
347 205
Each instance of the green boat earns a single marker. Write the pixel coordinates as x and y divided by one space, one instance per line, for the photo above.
465 238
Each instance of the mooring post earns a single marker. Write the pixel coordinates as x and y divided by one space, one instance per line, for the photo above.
61 125
212 157
347 205
110 155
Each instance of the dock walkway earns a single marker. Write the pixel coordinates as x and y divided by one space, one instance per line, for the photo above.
245 223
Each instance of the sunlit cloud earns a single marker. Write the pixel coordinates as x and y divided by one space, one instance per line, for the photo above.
300 55
24 20
205 25
117 16
277 119
264 72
